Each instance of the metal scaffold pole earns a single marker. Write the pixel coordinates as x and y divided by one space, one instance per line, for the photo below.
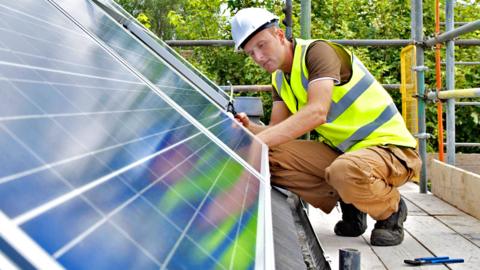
450 84
305 18
306 7
288 10
417 35
452 33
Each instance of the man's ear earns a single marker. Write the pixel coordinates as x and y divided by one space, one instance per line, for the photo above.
280 34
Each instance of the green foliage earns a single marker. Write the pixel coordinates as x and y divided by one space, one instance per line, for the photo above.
155 14
143 19
331 19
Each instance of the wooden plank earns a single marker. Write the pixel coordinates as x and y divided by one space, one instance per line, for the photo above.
413 209
459 221
465 225
433 228
392 257
371 257
443 241
456 186
323 226
410 187
469 162
407 189
431 204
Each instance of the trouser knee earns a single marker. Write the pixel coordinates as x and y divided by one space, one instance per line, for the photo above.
344 176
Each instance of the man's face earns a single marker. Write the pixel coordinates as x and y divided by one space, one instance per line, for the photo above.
264 49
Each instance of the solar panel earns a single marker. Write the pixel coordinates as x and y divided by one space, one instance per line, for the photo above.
103 166
159 72
161 48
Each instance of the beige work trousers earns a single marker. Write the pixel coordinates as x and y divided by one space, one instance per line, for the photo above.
367 178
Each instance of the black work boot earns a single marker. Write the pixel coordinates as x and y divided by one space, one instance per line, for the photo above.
389 232
353 222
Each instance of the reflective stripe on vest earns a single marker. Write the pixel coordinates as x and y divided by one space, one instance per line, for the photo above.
279 74
337 108
351 122
367 129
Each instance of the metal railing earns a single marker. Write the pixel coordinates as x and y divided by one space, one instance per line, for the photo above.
448 38
351 42
269 88
454 94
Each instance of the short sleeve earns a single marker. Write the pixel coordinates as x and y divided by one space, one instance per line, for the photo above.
323 62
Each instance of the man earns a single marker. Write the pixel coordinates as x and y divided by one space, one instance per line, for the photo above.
365 152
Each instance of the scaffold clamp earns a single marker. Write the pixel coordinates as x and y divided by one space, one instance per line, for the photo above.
424 97
420 68
422 135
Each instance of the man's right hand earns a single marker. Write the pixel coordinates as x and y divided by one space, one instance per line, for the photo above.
243 119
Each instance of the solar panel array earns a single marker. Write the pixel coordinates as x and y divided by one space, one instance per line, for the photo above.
110 158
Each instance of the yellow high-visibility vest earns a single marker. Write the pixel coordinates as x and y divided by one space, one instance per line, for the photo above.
361 114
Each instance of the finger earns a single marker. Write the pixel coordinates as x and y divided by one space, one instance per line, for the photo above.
241 115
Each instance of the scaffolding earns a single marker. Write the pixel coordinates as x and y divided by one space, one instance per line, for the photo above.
449 37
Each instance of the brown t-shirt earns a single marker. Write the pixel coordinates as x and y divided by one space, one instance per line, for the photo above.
325 61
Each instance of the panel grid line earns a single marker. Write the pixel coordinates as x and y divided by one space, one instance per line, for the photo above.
184 232
86 200
193 207
60 253
35 18
165 97
219 205
78 191
46 82
29 37
69 73
232 259
150 204
12 177
34 103
96 87
138 194
194 184
190 222
54 60
198 187
124 233
66 115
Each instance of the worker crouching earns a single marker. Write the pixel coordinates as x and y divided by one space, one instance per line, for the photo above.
365 151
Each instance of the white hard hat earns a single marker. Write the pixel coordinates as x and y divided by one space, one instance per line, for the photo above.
248 22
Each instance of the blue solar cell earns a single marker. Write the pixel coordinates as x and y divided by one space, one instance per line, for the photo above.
47 185
111 250
55 228
101 171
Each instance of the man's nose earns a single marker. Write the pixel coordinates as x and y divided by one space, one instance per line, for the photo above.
258 56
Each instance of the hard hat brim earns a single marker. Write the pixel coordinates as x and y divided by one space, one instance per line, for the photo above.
271 23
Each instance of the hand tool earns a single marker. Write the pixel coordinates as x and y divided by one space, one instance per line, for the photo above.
432 260
230 107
